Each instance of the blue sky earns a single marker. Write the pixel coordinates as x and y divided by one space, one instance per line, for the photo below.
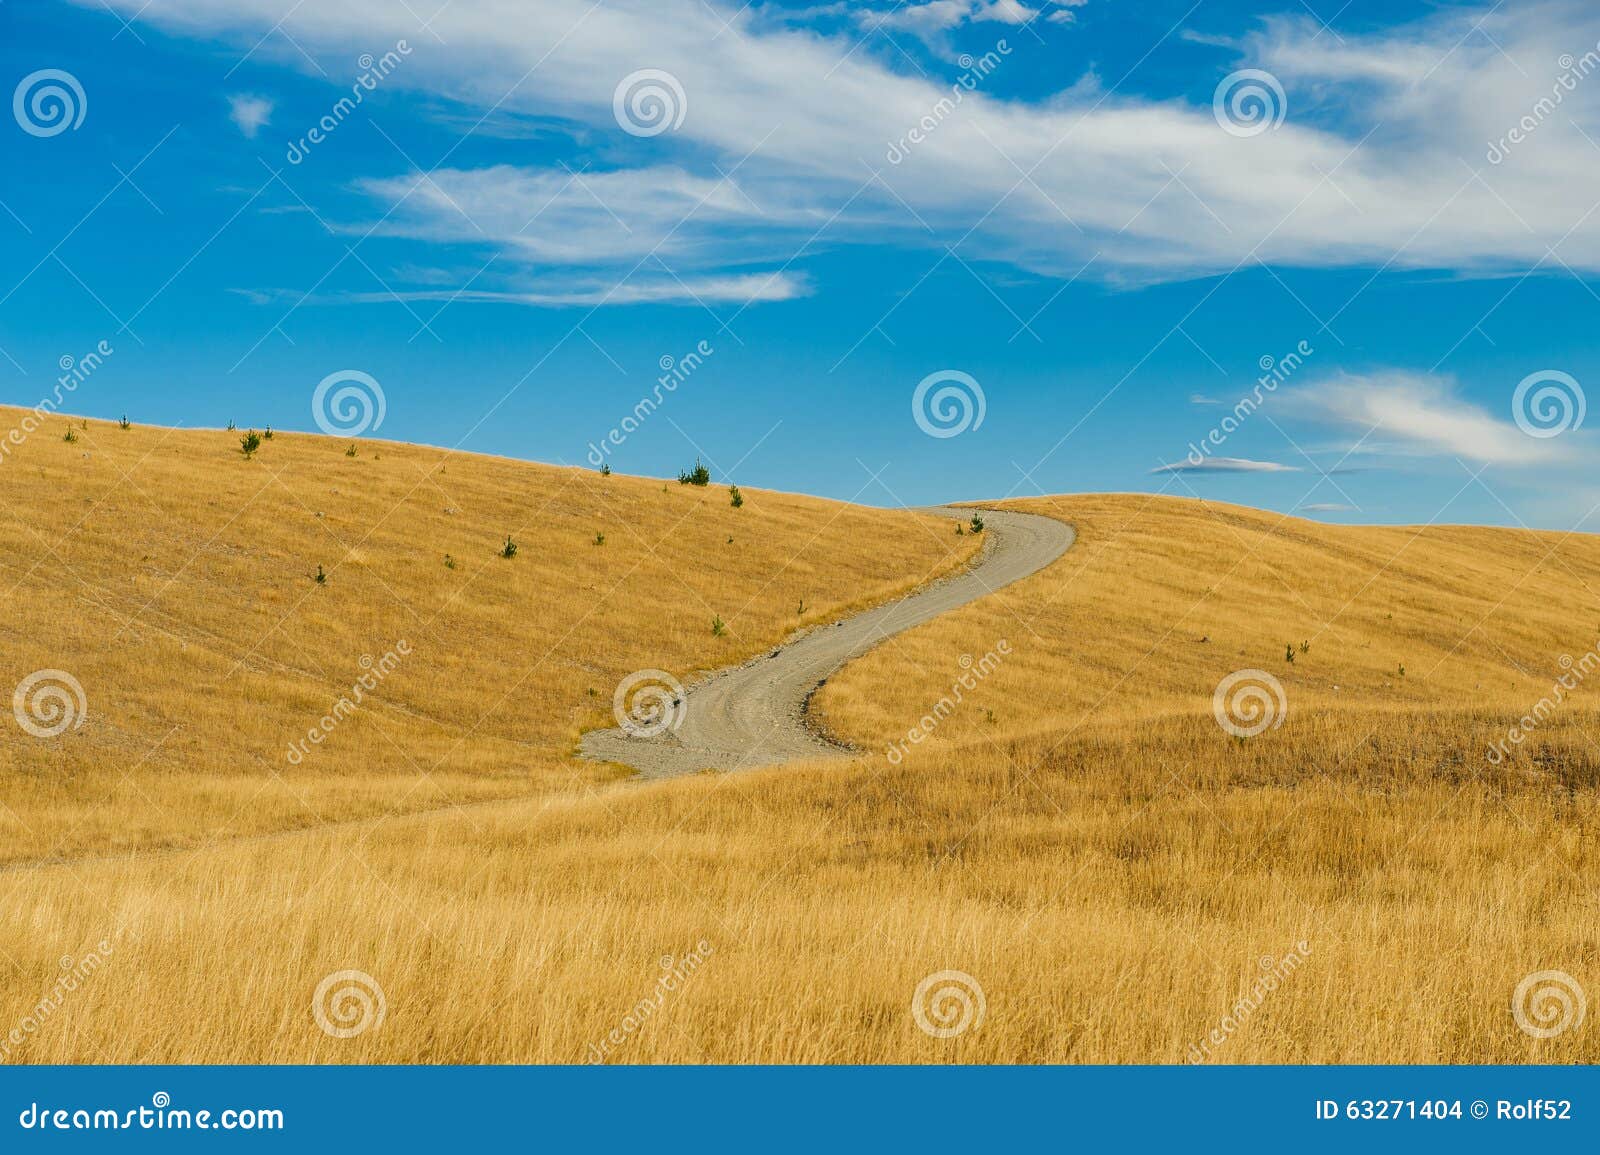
1092 233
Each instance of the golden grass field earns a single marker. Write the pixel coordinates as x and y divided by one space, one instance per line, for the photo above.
1079 835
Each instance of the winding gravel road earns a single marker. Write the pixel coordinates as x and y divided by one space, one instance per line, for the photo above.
755 714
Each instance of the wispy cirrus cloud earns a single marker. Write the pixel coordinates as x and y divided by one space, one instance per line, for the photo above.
1226 465
1424 415
649 289
1379 160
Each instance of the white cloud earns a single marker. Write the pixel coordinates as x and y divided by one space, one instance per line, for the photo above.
943 15
1226 465
649 288
1379 161
249 113
1419 414
565 216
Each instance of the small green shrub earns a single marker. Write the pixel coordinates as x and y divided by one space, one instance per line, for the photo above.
449 562
1288 652
322 577
232 427
509 550
350 452
267 433
125 423
977 524
599 539
70 437
699 475
605 470
718 626
250 442
735 498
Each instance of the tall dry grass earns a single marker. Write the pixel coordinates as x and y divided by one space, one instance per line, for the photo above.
1078 836
176 581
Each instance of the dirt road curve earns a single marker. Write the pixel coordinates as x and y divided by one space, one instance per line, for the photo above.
755 714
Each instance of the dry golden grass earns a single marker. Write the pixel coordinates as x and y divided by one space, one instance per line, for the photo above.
176 581
1079 836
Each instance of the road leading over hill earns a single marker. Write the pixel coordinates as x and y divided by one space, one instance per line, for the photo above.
755 714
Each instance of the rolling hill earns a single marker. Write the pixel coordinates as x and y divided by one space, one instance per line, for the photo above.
1102 855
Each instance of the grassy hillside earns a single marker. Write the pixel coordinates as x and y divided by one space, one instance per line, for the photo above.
176 581
1078 834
